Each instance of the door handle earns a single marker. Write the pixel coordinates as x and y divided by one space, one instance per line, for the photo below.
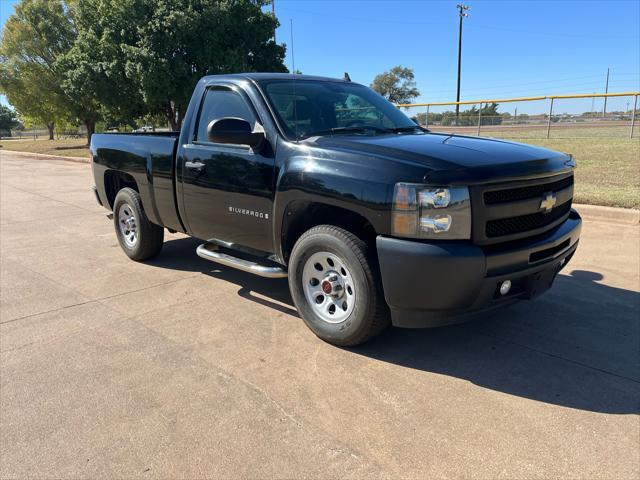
197 166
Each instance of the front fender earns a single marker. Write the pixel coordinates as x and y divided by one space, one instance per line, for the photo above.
333 182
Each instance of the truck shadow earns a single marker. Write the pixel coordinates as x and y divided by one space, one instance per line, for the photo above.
576 346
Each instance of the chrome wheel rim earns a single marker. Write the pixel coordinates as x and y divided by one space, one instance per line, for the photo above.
128 225
328 287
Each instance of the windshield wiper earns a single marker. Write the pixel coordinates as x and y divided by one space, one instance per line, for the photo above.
358 129
408 128
362 129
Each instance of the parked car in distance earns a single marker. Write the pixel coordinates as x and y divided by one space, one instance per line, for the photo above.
373 219
144 129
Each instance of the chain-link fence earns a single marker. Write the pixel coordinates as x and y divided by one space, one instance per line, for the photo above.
43 134
560 116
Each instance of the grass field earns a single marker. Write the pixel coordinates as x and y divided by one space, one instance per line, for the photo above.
67 148
608 163
608 170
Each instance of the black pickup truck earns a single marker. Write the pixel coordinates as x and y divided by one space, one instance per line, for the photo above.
373 219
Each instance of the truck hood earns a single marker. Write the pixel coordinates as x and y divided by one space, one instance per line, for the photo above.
477 157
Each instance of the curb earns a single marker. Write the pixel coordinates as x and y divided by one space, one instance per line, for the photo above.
45 156
608 214
591 212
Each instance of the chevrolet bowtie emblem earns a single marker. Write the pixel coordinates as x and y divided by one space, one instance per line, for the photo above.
548 202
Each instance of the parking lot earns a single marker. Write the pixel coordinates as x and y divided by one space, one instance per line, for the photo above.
179 368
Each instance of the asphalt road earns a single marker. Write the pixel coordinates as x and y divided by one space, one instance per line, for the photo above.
180 369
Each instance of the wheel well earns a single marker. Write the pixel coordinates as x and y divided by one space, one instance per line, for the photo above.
301 216
114 181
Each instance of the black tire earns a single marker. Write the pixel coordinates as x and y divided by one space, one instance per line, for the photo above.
149 236
370 314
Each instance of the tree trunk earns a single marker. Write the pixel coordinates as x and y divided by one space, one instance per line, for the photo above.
50 127
180 117
90 125
171 118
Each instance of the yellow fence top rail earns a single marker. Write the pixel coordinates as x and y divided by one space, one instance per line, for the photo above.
521 99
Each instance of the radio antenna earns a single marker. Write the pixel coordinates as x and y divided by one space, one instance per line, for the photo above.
293 61
293 71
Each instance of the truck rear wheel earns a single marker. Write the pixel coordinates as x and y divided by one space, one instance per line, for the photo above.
335 288
139 238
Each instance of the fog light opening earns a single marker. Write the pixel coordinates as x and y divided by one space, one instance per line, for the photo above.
505 287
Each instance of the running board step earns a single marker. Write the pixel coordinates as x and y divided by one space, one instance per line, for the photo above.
210 252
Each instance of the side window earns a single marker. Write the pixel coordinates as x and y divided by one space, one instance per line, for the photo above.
220 103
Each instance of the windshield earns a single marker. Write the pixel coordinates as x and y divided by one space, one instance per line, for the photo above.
307 108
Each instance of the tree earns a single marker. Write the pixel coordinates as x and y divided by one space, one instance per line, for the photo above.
27 57
8 120
35 40
30 93
432 118
144 57
397 85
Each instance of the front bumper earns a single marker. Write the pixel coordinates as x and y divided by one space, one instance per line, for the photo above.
439 283
94 189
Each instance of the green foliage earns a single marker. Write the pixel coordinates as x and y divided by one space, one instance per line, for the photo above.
8 120
421 118
122 60
397 85
95 65
144 57
33 38
489 116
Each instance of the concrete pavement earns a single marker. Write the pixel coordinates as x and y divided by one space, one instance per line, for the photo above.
178 368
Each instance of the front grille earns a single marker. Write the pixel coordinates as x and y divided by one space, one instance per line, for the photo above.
513 211
524 223
523 193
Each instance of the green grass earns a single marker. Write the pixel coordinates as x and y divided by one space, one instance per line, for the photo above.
608 170
66 148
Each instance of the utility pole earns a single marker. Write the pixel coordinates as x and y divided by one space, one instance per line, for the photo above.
606 90
462 13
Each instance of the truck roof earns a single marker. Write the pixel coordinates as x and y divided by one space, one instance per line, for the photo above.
271 76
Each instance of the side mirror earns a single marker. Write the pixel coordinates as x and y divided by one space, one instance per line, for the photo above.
235 131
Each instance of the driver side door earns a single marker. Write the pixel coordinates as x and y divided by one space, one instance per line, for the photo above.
228 189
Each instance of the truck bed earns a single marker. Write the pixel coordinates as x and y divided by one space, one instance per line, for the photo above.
149 158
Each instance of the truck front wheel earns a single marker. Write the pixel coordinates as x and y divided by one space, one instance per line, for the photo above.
335 288
139 238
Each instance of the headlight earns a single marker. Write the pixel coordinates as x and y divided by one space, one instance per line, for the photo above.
421 211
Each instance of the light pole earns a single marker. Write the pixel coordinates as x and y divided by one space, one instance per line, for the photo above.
462 13
606 90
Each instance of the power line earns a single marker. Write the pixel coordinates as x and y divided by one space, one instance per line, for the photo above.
526 91
557 34
559 80
486 27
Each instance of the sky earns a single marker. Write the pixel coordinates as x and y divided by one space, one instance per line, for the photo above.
510 48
